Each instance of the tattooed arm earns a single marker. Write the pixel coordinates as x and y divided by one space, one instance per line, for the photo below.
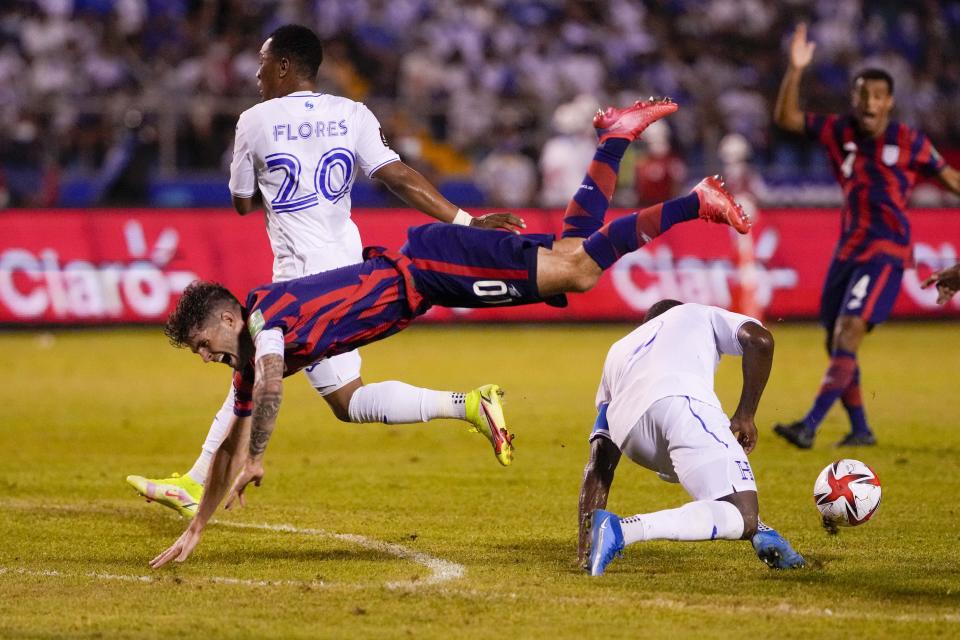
267 395
227 462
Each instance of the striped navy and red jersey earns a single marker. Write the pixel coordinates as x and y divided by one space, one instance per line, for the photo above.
330 313
877 176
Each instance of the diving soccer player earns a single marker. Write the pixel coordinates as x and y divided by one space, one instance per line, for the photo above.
286 326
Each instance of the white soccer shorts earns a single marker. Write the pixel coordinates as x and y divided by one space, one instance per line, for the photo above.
332 373
684 439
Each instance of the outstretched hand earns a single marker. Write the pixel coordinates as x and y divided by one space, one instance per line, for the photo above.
745 429
504 220
179 550
947 281
252 472
801 49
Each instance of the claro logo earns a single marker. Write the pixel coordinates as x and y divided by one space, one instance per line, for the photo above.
693 279
39 285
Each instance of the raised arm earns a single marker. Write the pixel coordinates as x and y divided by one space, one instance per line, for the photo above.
757 345
597 478
786 111
226 464
409 185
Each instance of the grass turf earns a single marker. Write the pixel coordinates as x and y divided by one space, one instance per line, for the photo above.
85 408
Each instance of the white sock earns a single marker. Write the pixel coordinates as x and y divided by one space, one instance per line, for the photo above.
700 520
215 437
395 402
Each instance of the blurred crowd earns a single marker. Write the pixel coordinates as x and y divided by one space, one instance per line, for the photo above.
497 92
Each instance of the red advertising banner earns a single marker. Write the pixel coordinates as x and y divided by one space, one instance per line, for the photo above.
116 266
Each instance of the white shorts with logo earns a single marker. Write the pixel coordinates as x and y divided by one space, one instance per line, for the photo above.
689 441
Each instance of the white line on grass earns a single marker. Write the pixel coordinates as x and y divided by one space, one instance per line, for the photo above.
440 570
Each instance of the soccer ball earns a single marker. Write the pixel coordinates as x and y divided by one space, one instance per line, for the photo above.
847 493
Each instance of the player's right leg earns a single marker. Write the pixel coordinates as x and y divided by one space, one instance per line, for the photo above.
616 129
338 380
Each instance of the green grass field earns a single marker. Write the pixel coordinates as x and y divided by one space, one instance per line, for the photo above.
478 550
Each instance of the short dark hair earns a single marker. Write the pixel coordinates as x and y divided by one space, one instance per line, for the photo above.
660 307
300 45
198 301
873 73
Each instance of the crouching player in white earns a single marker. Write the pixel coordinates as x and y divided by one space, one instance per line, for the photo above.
657 405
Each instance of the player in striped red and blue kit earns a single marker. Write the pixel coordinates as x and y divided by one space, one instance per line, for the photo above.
877 162
287 326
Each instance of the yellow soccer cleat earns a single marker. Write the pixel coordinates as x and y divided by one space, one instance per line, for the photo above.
485 411
180 493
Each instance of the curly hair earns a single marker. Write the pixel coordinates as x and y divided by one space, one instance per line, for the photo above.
198 301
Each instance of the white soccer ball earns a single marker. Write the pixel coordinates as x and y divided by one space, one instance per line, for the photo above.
847 493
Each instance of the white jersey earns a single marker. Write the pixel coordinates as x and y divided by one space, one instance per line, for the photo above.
302 152
675 354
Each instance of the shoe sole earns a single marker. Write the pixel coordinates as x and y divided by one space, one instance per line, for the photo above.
636 131
494 435
733 212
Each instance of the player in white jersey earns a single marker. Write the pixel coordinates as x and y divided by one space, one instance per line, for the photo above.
656 404
296 155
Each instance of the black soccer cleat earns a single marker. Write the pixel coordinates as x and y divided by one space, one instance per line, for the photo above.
856 439
795 433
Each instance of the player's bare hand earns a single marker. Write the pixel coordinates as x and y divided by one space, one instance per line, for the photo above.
179 550
801 49
252 472
947 281
745 429
503 220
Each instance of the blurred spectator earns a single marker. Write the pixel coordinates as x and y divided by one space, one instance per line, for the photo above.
565 157
71 68
660 172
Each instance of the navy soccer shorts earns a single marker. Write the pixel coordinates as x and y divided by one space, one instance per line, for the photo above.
459 266
864 289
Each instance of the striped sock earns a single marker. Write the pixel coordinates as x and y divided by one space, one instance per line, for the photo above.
586 210
631 232
838 377
853 402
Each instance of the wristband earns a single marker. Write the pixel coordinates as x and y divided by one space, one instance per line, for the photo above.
462 217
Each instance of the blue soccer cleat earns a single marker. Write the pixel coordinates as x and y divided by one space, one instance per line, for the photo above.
774 550
606 540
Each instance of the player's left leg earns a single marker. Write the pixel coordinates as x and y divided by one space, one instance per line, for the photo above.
578 270
338 380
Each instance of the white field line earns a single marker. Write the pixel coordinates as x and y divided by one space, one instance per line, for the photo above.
443 570
52 573
440 570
